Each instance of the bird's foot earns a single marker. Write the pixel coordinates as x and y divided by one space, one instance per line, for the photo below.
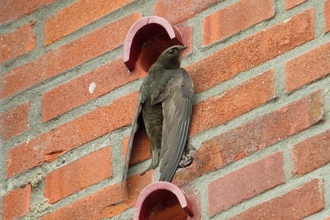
186 160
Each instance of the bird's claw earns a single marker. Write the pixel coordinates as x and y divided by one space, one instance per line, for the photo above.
186 160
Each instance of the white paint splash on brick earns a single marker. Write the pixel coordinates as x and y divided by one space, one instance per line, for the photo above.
92 87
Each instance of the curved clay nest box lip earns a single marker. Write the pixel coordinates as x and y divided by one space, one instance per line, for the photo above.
159 200
146 39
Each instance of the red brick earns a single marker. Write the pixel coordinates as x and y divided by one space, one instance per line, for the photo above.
12 10
234 102
187 38
295 204
308 67
106 203
311 153
293 3
252 51
235 18
67 56
71 178
178 11
76 16
49 145
141 150
14 121
245 183
17 43
16 203
327 16
78 91
253 136
194 197
206 159
269 129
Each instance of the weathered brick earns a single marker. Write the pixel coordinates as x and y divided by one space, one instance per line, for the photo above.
308 67
268 129
67 56
71 178
76 16
234 102
206 159
12 10
17 43
178 11
141 150
187 38
14 121
16 203
252 51
235 18
253 136
293 3
327 16
49 145
295 204
245 183
194 197
106 203
311 153
78 91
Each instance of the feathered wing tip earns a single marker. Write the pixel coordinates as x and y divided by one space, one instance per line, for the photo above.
130 145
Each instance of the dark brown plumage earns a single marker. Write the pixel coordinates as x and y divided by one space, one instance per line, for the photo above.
165 101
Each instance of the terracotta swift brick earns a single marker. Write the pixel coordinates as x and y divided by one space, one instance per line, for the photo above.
17 43
234 102
252 51
16 203
253 136
308 67
178 11
12 10
78 91
76 16
235 18
67 56
293 3
327 16
14 121
49 145
295 204
311 153
105 203
245 183
78 175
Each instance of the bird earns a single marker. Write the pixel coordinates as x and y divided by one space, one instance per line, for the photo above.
164 107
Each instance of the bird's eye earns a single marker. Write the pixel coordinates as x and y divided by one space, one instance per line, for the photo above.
172 51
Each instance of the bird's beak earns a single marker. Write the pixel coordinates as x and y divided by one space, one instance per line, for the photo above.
183 48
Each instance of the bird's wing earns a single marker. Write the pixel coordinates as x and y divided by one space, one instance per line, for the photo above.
177 99
131 138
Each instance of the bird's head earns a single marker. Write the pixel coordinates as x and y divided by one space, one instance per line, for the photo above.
171 57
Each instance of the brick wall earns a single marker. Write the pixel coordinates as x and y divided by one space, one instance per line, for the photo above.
260 122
